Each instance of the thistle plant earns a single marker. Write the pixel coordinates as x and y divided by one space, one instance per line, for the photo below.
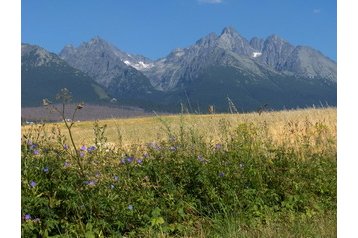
65 97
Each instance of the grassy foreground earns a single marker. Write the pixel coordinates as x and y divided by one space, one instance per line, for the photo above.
247 175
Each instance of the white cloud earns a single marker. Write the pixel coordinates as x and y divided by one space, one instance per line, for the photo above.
210 1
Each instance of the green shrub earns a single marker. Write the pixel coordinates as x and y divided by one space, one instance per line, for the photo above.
169 187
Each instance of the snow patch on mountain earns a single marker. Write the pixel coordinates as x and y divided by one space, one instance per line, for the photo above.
256 54
140 65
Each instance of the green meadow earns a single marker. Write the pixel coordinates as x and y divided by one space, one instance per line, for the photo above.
272 174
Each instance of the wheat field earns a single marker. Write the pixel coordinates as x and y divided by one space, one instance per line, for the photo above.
138 131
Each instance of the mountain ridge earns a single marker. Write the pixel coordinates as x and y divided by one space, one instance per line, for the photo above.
247 66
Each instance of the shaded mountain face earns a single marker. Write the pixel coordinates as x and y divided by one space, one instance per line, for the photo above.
44 74
115 70
252 72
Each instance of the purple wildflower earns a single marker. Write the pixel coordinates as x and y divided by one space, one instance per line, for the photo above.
66 164
33 184
36 152
45 169
130 159
115 178
83 148
82 154
130 207
91 148
90 183
221 174
65 146
139 161
27 217
201 159
33 146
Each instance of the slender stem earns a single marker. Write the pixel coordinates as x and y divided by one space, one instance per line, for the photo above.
77 157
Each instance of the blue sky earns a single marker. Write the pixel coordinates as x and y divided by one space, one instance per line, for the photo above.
154 27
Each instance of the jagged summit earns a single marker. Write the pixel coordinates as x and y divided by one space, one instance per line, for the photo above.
229 30
260 70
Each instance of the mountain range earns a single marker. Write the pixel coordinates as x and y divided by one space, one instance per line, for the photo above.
251 73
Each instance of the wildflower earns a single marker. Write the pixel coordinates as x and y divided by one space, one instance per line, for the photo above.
218 146
201 159
45 169
115 178
127 160
33 184
36 152
221 174
139 161
112 186
83 148
29 142
172 148
82 154
90 183
65 146
66 164
27 217
33 146
241 165
91 148
98 174
130 207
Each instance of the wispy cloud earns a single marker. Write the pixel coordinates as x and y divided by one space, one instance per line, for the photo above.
210 1
317 11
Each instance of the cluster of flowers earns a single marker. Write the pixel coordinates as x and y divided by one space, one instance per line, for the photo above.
33 147
130 159
27 217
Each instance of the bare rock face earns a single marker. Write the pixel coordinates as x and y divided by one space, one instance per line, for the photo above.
104 62
257 70
117 71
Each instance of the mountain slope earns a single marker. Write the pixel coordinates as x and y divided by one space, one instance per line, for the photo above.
251 72
115 70
43 74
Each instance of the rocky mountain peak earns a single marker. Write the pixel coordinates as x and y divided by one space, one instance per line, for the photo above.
37 56
231 40
229 30
207 41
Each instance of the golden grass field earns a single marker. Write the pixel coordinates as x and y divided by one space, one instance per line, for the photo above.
137 131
